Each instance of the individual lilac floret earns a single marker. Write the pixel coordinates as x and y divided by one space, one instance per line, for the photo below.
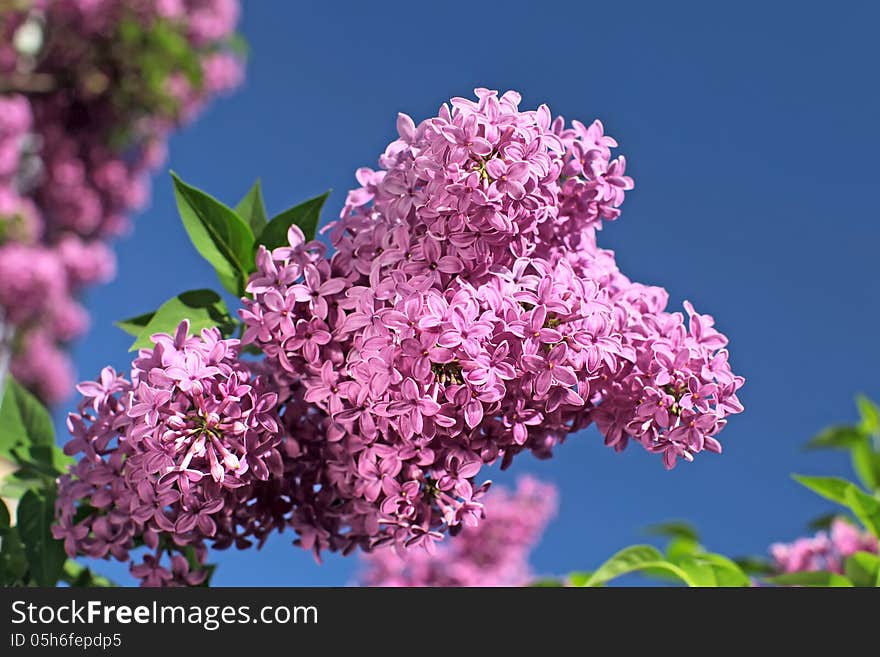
169 456
493 553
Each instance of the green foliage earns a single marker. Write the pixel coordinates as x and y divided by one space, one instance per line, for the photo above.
23 416
13 562
823 522
866 463
146 56
45 555
817 578
870 416
579 579
839 437
78 575
222 237
203 309
306 215
547 583
865 507
252 209
758 566
674 529
134 325
863 569
29 554
861 440
633 559
27 439
831 488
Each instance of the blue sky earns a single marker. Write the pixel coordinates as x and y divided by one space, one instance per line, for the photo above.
752 133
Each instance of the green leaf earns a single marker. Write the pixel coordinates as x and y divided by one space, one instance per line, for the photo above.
218 233
817 578
865 507
832 488
78 575
578 579
866 463
547 583
633 559
12 431
755 565
4 515
870 415
305 215
27 438
203 309
823 522
34 417
674 529
862 569
713 570
134 325
13 562
839 437
45 555
682 546
252 209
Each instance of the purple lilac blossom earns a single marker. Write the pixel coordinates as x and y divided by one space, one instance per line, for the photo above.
170 458
468 315
493 553
826 551
75 155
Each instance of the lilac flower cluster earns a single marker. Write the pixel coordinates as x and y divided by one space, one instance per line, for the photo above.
494 553
171 458
467 315
825 551
78 137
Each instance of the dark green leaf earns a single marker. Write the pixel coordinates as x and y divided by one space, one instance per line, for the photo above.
755 565
832 488
41 461
252 209
818 578
135 325
4 515
840 437
218 233
305 215
862 569
203 309
822 522
13 562
45 555
674 529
